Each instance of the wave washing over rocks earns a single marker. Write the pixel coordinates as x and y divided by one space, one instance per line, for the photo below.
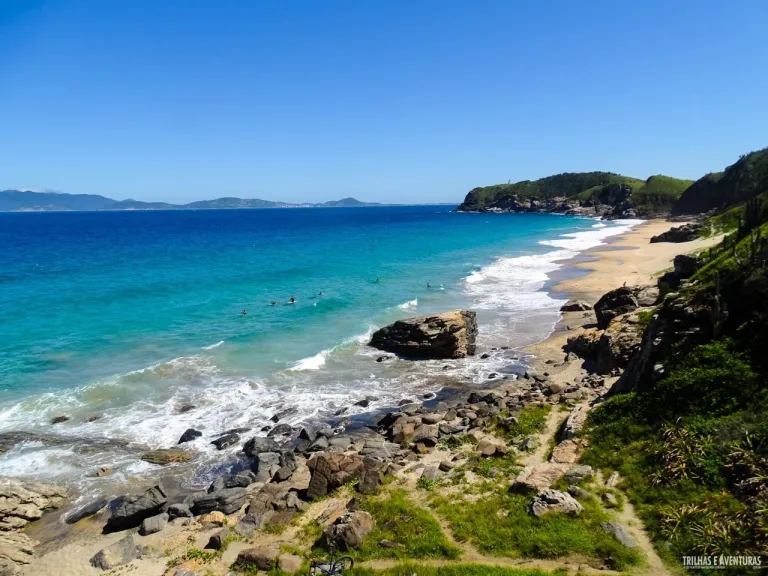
94 450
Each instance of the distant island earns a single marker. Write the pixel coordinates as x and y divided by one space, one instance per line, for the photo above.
28 201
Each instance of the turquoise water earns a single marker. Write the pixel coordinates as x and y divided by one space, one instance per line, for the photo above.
130 315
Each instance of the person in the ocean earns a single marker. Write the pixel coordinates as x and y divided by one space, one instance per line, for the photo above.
428 286
320 294
273 303
292 300
245 313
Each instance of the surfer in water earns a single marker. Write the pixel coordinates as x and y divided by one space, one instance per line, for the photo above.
273 303
377 280
292 300
244 313
428 286
320 294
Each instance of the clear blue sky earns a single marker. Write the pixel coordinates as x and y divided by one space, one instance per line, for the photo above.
395 101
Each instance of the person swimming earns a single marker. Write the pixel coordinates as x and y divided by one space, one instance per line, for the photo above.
319 293
292 300
244 313
273 303
428 286
377 280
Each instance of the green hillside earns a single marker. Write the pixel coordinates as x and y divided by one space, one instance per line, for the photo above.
655 195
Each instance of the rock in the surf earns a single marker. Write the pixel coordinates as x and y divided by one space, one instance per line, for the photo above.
189 435
165 456
447 335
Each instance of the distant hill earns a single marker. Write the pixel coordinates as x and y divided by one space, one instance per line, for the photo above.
27 201
577 191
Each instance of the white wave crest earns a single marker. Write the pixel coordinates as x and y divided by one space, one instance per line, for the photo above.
212 346
409 305
311 363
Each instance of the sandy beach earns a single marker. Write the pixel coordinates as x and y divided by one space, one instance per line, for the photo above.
629 258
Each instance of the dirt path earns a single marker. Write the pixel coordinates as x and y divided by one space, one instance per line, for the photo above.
572 567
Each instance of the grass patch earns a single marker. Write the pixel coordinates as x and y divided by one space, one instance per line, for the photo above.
456 441
531 420
500 525
494 467
455 570
399 520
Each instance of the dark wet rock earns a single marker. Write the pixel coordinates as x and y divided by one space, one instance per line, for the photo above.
348 531
153 524
86 511
165 456
330 470
226 441
133 509
239 480
280 430
448 335
59 419
216 542
119 553
228 501
189 435
186 408
257 445
284 414
179 510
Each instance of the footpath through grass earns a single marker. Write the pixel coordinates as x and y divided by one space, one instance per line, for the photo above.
500 525
454 570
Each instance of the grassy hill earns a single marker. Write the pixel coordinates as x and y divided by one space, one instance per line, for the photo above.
655 195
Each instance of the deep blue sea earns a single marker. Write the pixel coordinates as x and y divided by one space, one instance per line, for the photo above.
127 316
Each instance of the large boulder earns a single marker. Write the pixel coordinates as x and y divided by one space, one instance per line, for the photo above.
119 553
575 306
620 533
448 335
550 500
538 476
348 530
614 303
165 456
330 470
584 344
228 501
255 559
685 266
133 509
684 233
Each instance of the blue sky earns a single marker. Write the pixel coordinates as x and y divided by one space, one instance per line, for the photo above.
395 101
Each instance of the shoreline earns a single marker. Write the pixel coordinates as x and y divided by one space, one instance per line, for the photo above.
626 258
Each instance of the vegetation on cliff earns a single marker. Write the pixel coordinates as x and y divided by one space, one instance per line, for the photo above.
691 439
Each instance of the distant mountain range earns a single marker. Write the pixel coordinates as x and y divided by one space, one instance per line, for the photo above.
28 201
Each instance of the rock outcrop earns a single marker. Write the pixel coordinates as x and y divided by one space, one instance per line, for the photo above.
330 470
618 343
134 509
684 267
575 306
348 530
448 335
622 301
549 500
684 233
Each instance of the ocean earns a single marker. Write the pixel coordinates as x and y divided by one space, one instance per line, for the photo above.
119 319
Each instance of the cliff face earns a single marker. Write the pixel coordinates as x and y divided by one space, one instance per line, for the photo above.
746 178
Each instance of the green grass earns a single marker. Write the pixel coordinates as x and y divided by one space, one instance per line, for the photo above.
399 520
506 465
500 525
454 570
531 420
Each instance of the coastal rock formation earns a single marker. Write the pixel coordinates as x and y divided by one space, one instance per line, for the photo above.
618 343
133 509
684 233
330 470
119 553
684 267
349 530
166 456
228 501
22 501
575 306
448 335
622 301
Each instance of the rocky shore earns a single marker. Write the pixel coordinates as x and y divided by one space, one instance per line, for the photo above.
304 489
